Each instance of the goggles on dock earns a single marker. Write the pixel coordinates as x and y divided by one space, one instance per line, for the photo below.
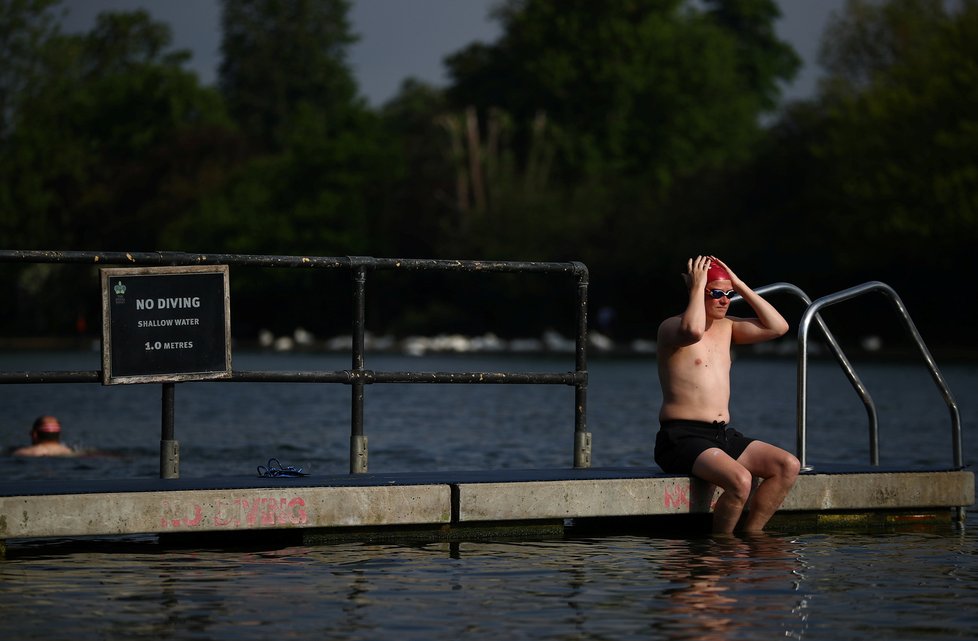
275 470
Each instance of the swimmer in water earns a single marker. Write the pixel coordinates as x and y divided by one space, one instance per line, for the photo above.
45 440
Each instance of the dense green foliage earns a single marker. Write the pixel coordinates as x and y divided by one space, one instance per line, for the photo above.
628 134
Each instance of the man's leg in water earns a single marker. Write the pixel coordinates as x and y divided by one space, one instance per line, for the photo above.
779 469
715 466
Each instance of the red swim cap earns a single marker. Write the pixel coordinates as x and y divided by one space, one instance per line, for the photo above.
716 272
47 424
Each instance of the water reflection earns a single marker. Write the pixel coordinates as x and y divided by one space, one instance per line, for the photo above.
616 587
722 587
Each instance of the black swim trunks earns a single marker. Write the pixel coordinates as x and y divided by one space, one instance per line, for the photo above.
679 442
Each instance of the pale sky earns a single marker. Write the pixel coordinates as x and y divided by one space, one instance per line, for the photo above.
409 38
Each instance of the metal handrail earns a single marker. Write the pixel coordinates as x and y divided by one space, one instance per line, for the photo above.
358 376
847 294
844 363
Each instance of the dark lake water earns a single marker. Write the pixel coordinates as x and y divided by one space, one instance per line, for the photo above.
895 585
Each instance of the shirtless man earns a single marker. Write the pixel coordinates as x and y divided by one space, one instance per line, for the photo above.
45 439
694 371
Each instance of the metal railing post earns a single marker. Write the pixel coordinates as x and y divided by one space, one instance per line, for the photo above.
358 441
582 438
957 451
169 446
801 434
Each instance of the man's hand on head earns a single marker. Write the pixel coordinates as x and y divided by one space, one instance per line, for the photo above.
696 272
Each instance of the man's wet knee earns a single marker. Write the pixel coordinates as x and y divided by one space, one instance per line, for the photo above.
790 466
741 485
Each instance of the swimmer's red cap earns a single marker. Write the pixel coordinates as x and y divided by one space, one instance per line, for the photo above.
47 424
716 272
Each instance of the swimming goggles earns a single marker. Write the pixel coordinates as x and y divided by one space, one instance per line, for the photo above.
276 470
719 293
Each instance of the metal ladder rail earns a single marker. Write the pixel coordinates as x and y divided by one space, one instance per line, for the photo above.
847 294
844 363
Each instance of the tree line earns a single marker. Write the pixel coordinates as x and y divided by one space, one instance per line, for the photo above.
628 134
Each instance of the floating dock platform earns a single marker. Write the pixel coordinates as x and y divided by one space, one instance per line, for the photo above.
454 505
